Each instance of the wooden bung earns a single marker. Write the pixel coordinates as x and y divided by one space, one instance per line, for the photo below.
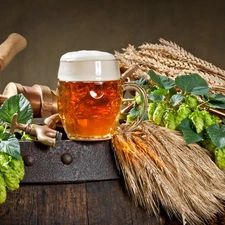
10 47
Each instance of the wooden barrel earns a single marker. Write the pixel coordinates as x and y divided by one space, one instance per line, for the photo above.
73 183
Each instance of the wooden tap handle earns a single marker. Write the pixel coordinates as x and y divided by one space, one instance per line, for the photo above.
3 98
10 47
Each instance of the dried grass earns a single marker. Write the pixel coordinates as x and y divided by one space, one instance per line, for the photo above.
160 170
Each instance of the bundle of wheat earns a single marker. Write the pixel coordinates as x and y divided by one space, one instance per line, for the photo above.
160 170
169 59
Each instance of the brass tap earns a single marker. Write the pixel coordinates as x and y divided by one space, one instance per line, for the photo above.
44 134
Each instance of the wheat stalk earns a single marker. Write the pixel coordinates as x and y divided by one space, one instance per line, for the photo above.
158 168
171 60
194 60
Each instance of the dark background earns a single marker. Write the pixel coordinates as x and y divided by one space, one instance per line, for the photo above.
54 27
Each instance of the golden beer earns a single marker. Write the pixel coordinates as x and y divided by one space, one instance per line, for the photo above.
89 94
89 110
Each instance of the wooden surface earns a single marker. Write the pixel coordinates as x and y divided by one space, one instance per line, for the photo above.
91 203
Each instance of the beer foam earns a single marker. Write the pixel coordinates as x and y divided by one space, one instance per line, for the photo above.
88 65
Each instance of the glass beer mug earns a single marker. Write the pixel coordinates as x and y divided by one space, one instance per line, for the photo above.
89 94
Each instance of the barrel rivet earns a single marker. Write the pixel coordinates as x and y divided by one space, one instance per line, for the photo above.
28 160
66 158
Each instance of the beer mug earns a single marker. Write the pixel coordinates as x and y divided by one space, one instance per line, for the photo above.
89 94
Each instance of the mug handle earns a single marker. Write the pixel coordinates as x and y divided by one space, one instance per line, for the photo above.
143 106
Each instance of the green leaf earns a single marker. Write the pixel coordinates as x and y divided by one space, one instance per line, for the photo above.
216 105
192 83
176 99
217 134
156 97
158 94
151 89
134 112
142 81
16 104
162 81
216 100
190 136
172 91
216 97
10 145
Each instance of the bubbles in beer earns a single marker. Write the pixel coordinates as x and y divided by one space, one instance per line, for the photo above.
97 90
89 109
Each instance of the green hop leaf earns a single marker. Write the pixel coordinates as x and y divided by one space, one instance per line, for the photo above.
215 100
192 83
142 81
158 95
10 145
133 114
217 134
190 136
162 81
208 144
176 99
16 104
